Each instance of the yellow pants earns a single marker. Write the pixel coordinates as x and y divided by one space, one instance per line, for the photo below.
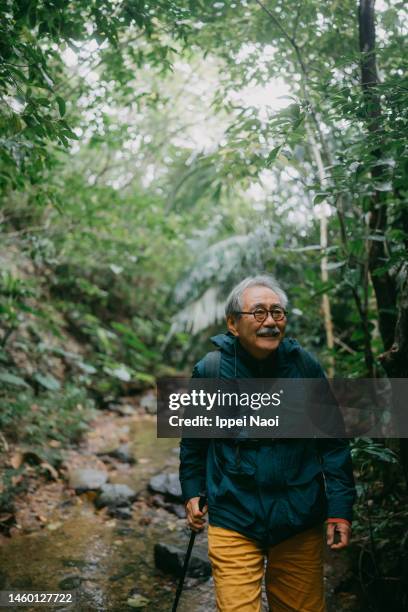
293 576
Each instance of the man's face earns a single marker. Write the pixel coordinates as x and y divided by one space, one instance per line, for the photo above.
260 339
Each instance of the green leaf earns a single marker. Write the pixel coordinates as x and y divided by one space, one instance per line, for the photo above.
120 372
143 377
61 105
273 155
11 379
86 367
47 381
387 186
319 197
333 265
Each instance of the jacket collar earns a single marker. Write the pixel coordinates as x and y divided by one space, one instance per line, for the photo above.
230 344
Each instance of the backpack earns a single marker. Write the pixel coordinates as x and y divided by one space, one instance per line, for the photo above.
212 364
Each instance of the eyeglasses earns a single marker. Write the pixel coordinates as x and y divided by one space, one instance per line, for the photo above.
261 314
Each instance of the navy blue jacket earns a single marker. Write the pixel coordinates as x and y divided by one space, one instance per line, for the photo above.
276 489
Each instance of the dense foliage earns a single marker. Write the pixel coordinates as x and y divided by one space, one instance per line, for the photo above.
154 153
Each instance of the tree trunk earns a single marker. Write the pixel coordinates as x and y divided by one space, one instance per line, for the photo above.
321 155
394 332
395 362
384 284
324 272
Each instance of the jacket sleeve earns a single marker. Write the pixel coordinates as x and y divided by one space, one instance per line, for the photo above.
335 457
193 460
338 477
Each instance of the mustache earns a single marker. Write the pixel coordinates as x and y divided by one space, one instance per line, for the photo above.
266 332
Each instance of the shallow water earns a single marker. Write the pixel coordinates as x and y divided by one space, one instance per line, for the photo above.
106 558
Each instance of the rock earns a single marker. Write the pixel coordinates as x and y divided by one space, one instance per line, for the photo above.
170 559
87 479
125 531
148 401
177 509
79 564
115 495
137 601
120 513
70 582
158 501
122 409
166 484
123 454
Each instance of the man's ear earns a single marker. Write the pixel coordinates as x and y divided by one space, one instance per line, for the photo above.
231 324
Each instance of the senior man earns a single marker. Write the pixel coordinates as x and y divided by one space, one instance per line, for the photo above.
266 498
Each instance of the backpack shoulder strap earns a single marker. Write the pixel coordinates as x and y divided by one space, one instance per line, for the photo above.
212 364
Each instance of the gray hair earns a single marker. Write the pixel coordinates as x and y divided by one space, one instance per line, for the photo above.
234 300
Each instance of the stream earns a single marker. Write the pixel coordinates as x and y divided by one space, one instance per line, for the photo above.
73 546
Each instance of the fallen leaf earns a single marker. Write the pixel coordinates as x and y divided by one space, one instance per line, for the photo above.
4 443
54 443
17 479
5 517
54 526
137 601
50 469
90 495
16 460
14 531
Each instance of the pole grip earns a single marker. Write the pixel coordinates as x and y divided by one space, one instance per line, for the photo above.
202 501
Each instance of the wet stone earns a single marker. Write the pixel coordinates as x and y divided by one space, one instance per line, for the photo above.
122 454
158 501
78 563
87 479
115 495
170 559
67 503
120 513
122 409
178 510
127 570
125 531
166 484
70 582
149 402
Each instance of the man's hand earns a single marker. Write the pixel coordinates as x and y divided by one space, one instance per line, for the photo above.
195 518
343 530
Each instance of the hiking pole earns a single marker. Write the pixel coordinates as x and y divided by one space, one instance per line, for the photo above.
201 504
